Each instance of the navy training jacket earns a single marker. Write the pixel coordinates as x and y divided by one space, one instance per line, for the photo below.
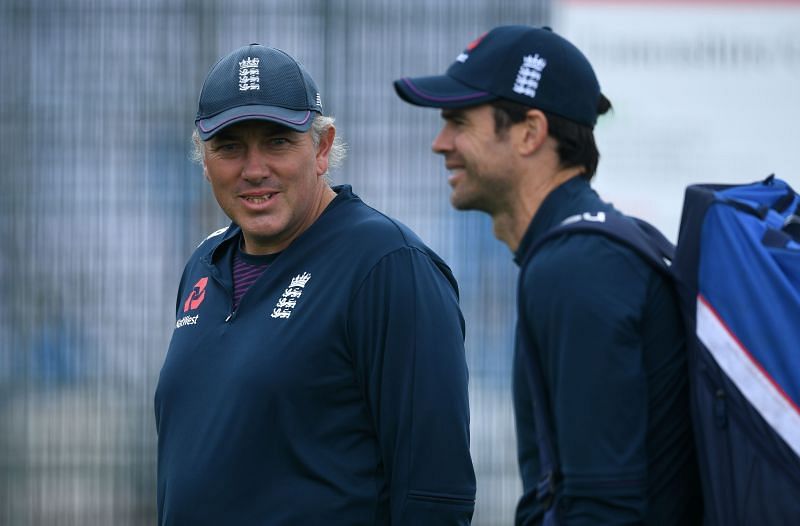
605 329
336 393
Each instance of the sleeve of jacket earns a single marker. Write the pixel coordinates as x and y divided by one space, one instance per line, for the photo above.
407 335
584 300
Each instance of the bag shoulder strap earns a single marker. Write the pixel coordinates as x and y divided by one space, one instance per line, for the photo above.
637 234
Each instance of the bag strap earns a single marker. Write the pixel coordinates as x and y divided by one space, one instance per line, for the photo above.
644 239
639 235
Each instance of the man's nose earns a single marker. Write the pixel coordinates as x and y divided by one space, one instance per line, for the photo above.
443 142
256 166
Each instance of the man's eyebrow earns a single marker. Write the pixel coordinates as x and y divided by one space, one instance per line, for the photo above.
448 113
223 136
277 129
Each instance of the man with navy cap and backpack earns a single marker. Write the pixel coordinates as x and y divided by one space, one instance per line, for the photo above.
599 381
316 373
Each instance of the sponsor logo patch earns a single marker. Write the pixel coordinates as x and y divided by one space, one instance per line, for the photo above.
197 295
192 302
186 320
472 45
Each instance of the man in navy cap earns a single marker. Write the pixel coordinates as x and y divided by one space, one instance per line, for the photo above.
316 373
599 342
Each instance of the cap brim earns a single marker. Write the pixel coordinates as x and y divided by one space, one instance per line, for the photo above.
440 91
299 120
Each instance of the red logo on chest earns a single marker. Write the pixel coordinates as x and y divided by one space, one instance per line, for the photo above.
197 295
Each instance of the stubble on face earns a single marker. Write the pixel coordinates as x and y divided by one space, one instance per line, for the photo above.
479 159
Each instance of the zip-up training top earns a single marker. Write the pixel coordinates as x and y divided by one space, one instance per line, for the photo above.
336 392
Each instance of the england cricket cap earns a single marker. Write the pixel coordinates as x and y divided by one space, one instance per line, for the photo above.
531 66
261 83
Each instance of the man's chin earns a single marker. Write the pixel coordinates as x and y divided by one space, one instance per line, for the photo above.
461 202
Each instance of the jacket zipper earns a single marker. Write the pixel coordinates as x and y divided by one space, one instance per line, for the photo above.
213 272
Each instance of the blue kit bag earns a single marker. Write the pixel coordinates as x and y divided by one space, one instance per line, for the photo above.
736 268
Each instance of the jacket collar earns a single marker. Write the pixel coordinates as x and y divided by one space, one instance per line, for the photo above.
559 204
220 245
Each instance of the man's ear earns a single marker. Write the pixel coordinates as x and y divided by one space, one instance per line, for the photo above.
324 149
532 132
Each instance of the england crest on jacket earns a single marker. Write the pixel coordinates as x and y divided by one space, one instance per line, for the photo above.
288 300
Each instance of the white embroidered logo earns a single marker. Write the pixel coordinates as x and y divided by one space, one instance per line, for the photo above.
249 76
319 101
599 217
462 58
212 234
529 75
288 300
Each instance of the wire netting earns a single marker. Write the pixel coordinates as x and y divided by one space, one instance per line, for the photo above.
100 206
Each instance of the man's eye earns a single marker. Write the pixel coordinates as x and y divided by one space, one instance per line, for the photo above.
279 141
227 147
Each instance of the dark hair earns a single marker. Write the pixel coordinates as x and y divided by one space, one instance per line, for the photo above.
576 144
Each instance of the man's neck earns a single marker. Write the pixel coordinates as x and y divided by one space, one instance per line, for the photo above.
511 223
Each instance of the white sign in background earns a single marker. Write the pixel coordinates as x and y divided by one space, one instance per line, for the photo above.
702 92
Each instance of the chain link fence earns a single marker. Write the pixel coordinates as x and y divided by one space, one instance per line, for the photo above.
100 206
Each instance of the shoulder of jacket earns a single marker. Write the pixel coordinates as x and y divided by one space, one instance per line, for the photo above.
584 260
213 234
577 250
209 243
385 231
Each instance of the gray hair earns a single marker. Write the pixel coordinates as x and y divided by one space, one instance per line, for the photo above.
338 152
319 126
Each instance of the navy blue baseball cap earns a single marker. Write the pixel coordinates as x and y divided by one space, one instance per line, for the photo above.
532 66
261 83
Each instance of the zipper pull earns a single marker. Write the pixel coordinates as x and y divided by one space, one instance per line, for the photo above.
230 317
